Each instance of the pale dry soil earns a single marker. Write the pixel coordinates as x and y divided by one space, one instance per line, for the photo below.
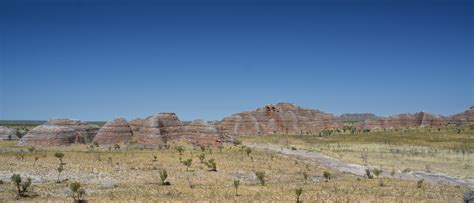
132 174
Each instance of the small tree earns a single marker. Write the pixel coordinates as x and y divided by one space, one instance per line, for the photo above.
163 176
59 169
187 163
180 150
248 151
21 186
236 186
60 156
261 177
203 148
327 175
202 157
298 194
211 164
77 191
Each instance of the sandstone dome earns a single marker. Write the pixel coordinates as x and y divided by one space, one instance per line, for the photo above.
116 131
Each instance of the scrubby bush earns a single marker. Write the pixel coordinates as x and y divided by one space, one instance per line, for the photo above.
180 150
202 157
77 191
392 173
298 192
419 183
377 171
187 163
261 177
203 148
237 142
248 151
21 186
327 175
211 164
236 186
163 177
60 156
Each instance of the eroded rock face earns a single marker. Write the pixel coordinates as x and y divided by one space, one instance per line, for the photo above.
158 129
8 133
60 132
117 131
201 133
136 125
49 135
420 119
280 118
85 132
464 118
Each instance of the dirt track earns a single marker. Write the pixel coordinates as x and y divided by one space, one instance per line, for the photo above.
359 170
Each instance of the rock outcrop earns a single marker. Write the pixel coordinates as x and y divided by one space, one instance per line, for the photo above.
158 129
420 119
464 118
201 133
117 131
85 132
280 118
60 132
8 133
136 125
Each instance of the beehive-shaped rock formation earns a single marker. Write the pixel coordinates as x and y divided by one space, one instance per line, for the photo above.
201 133
280 118
8 133
158 129
60 132
117 131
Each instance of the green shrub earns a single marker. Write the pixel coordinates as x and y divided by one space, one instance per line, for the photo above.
327 175
237 142
202 157
164 176
180 150
21 186
236 186
377 171
248 151
261 177
298 194
419 183
77 191
60 156
187 163
212 165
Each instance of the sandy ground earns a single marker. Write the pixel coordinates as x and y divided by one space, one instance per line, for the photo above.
360 169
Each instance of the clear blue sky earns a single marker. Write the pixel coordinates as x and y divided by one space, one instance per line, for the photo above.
96 60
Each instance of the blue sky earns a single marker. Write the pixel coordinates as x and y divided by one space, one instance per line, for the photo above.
96 60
